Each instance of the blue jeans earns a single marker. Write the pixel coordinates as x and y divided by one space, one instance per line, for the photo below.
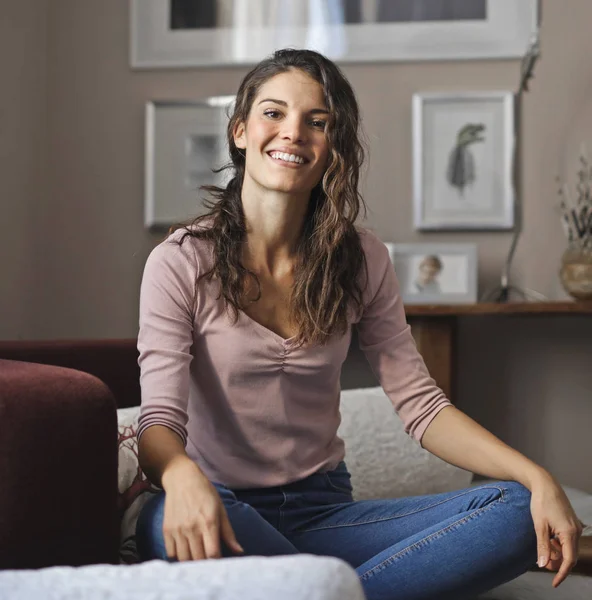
446 546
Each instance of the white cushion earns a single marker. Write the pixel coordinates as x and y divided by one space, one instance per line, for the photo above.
134 488
383 460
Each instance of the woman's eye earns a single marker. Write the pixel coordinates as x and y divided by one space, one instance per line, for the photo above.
272 114
319 124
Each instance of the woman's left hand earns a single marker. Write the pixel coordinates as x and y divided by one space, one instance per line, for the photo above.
557 527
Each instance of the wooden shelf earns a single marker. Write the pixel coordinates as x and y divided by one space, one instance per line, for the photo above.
510 308
435 328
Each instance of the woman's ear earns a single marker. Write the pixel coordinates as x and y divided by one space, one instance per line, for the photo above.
239 135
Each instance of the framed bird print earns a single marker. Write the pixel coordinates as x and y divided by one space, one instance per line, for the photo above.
463 155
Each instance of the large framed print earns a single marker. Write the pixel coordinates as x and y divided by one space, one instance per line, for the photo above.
185 145
197 33
463 156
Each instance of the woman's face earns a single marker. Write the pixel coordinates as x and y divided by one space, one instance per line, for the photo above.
284 138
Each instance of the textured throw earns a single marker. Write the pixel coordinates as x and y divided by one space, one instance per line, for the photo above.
301 577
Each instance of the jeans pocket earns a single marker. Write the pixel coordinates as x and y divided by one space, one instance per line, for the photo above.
339 480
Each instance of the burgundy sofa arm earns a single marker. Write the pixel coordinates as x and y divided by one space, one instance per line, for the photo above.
113 361
58 467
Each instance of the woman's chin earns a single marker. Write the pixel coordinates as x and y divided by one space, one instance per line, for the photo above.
292 189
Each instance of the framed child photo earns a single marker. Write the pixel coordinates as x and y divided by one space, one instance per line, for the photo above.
436 273
463 156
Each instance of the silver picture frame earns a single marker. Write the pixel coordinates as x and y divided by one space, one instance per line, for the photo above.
245 38
185 141
463 155
442 273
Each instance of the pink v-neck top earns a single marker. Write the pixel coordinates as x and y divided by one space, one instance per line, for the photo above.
252 408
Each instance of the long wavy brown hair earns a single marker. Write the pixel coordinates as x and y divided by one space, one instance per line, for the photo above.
330 270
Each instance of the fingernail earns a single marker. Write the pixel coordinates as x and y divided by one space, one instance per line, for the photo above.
542 561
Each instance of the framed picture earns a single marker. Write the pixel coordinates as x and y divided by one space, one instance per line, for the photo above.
185 142
436 273
463 152
194 33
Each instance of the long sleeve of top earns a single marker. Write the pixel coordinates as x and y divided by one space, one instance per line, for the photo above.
254 409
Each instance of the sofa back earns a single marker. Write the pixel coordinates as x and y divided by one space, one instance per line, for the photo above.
115 362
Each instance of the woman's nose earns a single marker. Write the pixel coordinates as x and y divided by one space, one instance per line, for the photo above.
294 130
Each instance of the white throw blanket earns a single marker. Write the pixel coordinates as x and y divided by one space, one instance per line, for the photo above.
301 577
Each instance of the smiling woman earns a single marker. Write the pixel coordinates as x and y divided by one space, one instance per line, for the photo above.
246 318
294 146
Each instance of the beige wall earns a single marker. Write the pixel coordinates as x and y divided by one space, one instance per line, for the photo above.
527 380
23 100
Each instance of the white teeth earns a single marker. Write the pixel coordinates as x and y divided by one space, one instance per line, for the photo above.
287 157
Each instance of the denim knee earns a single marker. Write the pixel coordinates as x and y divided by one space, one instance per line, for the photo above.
149 536
519 497
516 494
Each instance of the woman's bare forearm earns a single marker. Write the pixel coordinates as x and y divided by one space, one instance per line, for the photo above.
461 441
162 455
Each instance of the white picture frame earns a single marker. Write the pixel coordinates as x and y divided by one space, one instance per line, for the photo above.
505 33
184 141
463 155
436 273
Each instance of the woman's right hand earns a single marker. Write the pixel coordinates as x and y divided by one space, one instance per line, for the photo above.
195 520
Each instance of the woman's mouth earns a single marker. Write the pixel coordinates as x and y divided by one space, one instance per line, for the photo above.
287 159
